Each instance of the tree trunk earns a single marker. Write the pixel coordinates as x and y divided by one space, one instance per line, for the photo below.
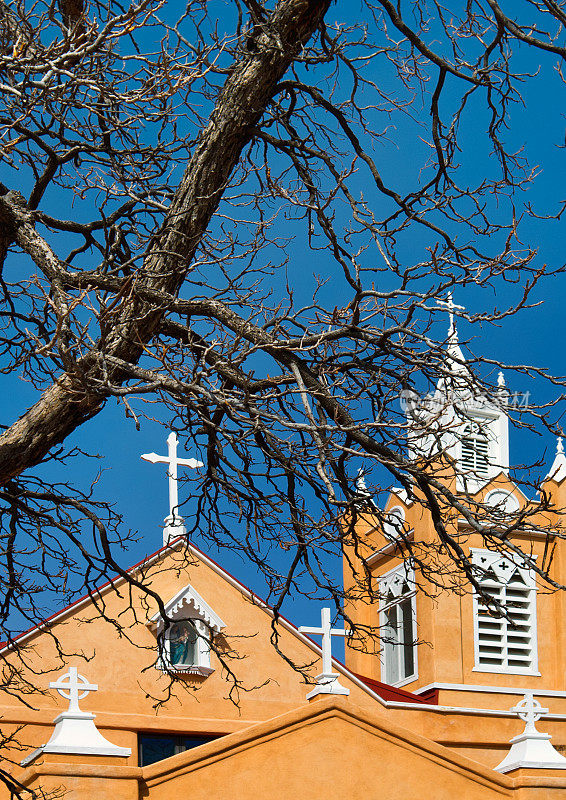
74 397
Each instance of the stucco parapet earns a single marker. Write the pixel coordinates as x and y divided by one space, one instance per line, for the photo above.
79 771
324 709
43 717
540 778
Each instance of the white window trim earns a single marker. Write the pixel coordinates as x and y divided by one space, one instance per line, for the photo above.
533 669
188 605
202 657
409 574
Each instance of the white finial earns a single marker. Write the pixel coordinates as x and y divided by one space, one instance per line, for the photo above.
451 307
327 681
174 519
531 749
558 469
361 487
500 379
73 687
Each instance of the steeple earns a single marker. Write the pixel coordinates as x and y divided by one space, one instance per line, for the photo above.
455 360
470 428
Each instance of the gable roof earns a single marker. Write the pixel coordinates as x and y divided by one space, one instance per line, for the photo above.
375 689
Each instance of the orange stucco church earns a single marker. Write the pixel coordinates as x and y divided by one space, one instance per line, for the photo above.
408 720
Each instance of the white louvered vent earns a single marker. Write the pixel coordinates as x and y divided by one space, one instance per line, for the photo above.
475 449
506 641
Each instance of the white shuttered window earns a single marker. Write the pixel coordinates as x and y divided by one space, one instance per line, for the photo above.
504 641
475 451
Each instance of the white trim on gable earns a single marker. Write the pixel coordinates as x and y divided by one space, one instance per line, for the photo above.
188 600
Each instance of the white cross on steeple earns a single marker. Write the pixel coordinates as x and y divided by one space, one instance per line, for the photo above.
450 306
173 461
73 687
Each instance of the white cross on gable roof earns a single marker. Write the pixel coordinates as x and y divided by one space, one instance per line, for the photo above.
173 461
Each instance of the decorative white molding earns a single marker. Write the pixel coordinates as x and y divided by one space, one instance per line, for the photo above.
188 603
531 749
471 712
389 549
392 582
193 669
503 566
472 687
75 732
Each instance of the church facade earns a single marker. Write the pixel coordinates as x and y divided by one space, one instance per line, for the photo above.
451 699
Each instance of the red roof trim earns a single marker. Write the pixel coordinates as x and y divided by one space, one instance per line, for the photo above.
145 561
387 692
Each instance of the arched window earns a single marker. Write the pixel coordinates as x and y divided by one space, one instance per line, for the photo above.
474 450
394 523
398 625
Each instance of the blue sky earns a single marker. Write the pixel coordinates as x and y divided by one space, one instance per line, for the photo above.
536 336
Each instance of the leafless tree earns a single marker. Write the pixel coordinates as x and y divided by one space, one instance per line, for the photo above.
170 178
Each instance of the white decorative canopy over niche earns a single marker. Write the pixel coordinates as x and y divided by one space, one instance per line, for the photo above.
185 644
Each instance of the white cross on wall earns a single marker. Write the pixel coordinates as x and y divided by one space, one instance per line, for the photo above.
327 632
73 687
173 461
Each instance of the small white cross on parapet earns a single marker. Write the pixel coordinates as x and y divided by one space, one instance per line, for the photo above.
531 749
174 520
327 682
73 687
530 711
75 732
